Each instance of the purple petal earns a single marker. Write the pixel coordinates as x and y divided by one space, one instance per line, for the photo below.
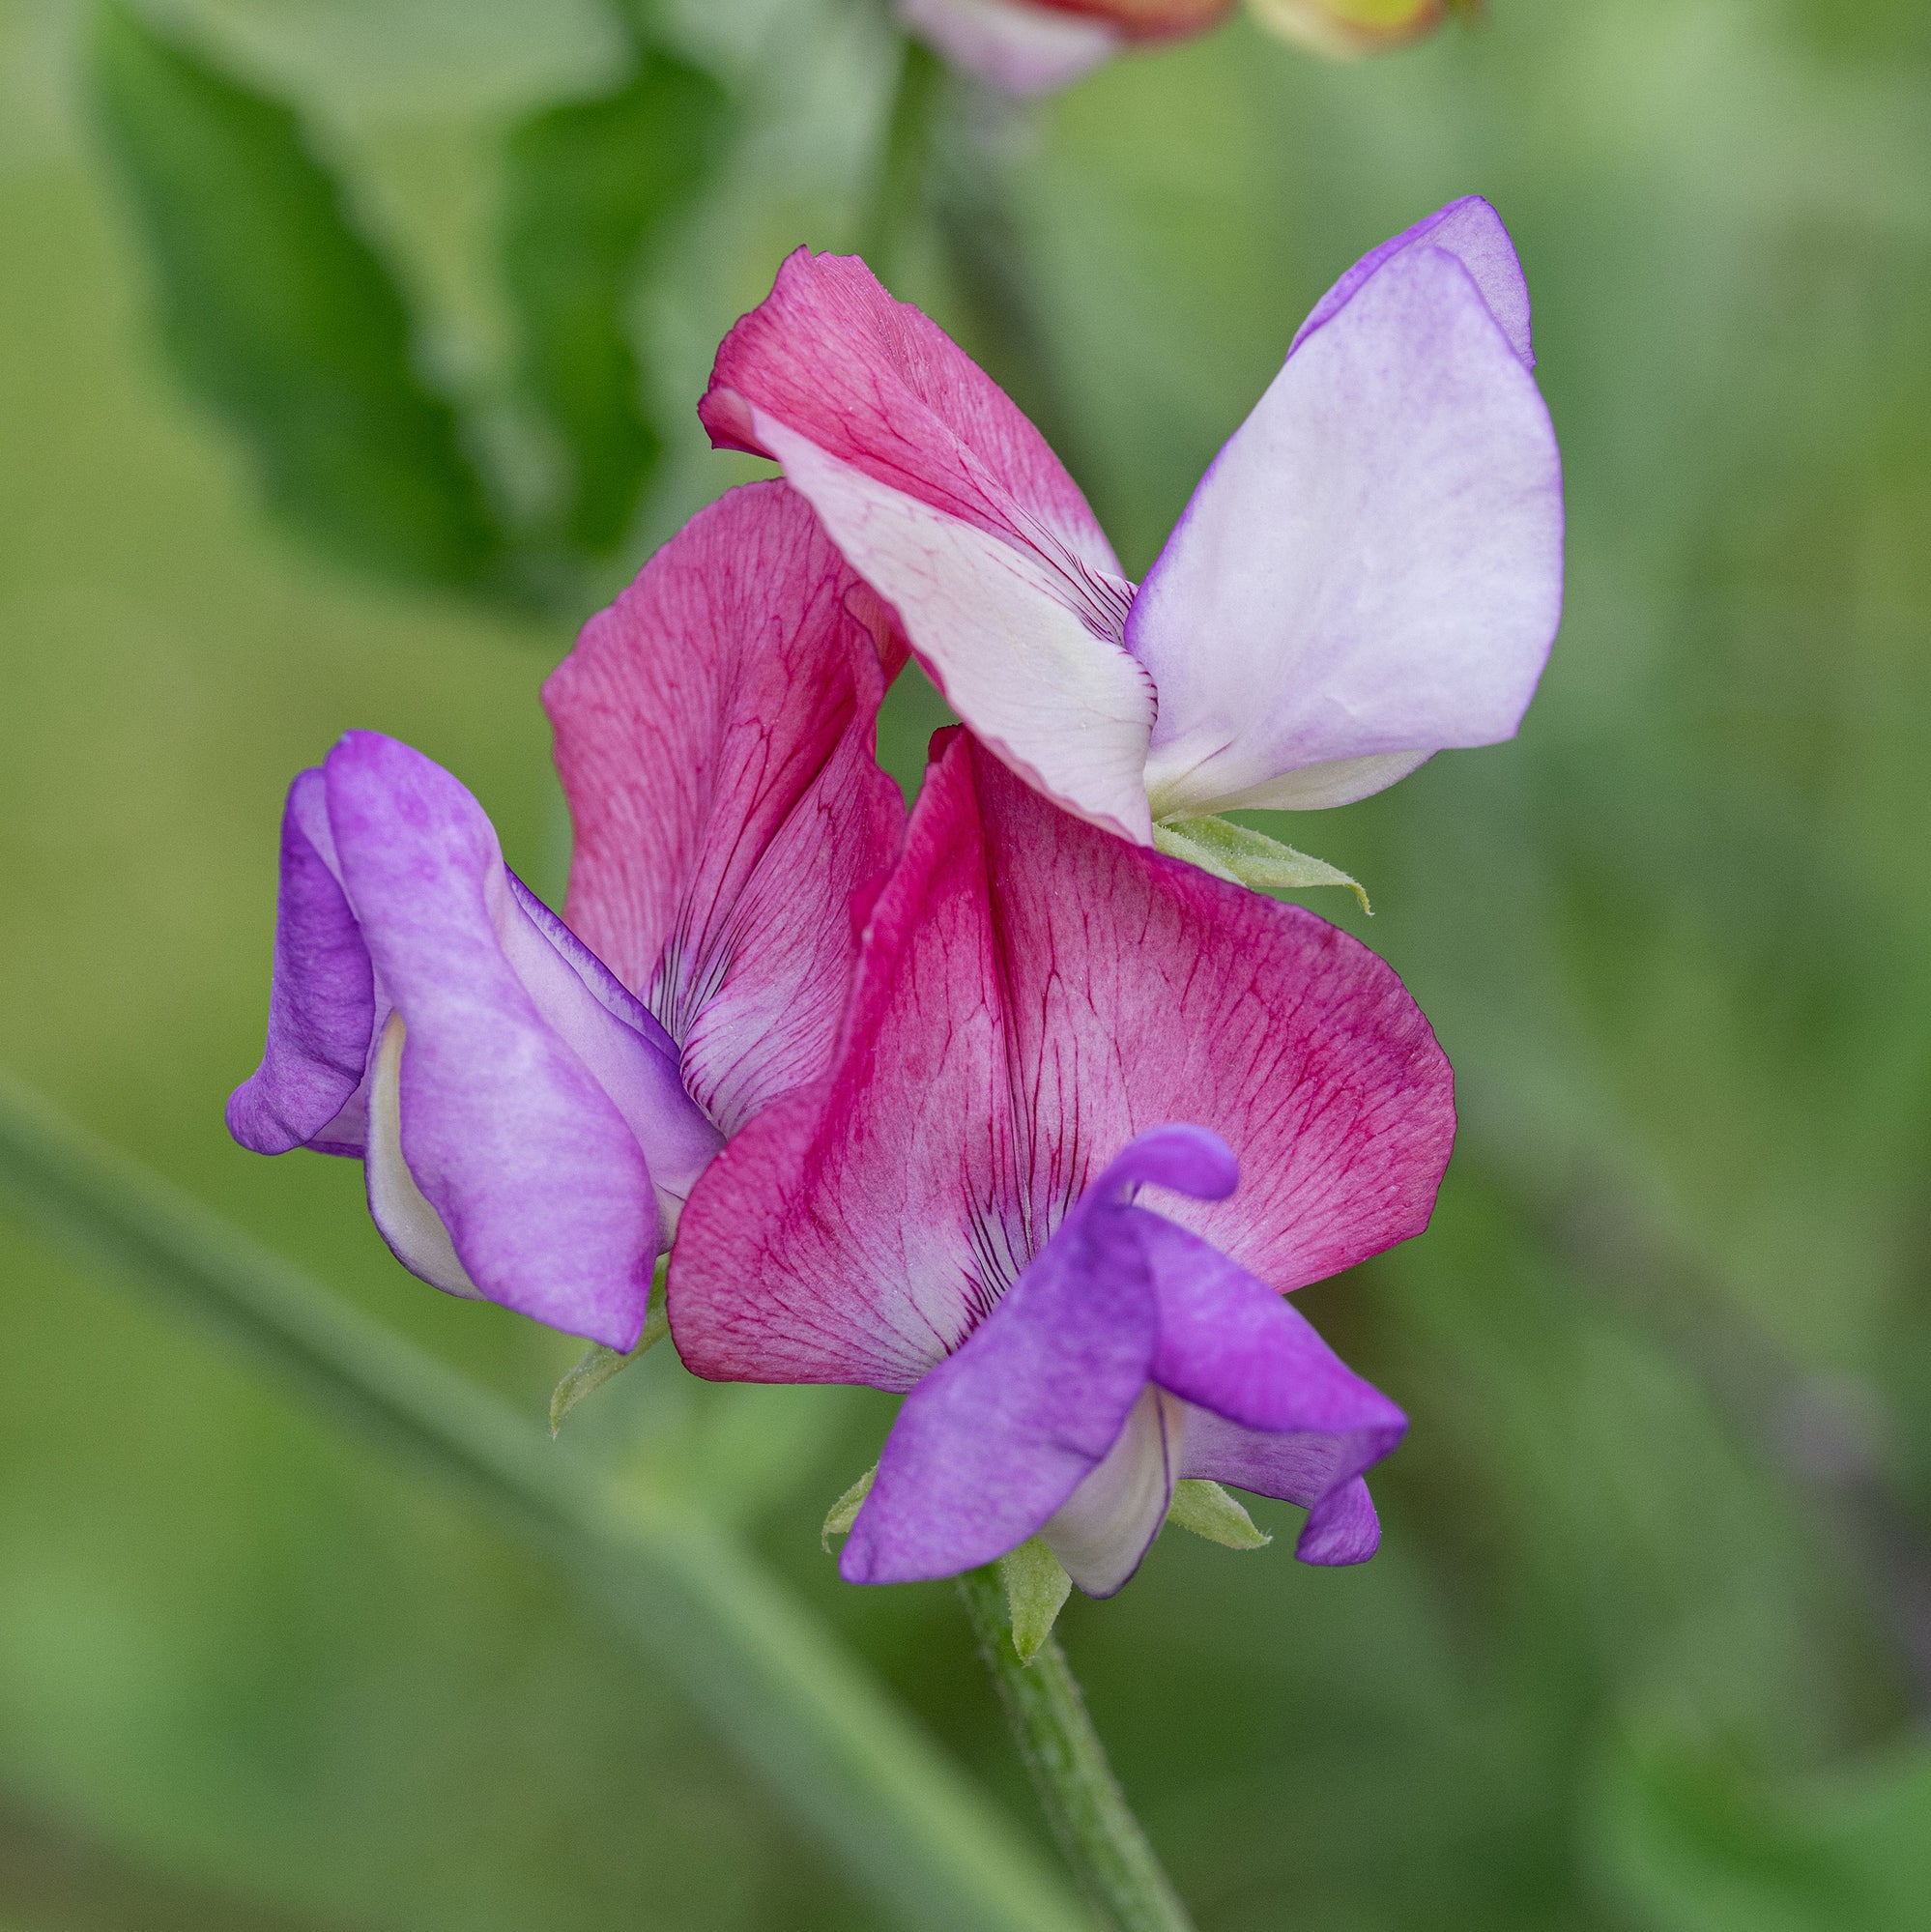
1471 231
1320 1472
511 1092
1101 1533
1372 569
1000 1434
1230 1343
322 1001
1021 50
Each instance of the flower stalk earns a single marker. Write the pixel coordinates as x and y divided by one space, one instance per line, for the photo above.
854 1769
1096 1828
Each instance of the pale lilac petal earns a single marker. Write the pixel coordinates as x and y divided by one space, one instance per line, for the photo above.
952 506
1021 50
714 732
1370 571
1105 1528
1471 231
998 1436
322 1001
521 1152
1322 1473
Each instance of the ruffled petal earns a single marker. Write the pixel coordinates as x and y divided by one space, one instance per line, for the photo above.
951 506
1032 995
322 1001
856 1230
997 1438
510 1097
714 732
1138 991
1372 569
1021 49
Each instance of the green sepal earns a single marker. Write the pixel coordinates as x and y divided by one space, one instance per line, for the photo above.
1243 856
843 1512
1209 1511
1037 1587
599 1364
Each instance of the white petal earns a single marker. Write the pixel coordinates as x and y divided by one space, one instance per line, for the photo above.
1016 645
1107 1526
411 1228
1372 569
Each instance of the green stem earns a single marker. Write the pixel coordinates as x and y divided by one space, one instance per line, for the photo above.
1088 1812
900 190
849 1765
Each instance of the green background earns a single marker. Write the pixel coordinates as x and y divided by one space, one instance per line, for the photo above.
1649 1641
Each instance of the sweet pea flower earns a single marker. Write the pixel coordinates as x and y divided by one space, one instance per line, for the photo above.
1370 572
1043 1021
1031 47
534 1101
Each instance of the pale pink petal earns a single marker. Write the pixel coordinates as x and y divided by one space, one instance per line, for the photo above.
952 506
714 732
1372 569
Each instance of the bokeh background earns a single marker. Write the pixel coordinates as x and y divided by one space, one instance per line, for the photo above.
1648 1646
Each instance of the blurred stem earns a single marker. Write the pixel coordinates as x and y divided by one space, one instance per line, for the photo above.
905 169
945 162
849 1765
1084 1802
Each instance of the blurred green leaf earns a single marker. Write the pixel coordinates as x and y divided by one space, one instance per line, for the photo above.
1702 1844
591 184
277 312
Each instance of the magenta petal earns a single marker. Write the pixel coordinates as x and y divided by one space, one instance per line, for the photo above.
714 732
951 506
1193 999
322 1002
996 1437
1031 996
1471 231
515 1143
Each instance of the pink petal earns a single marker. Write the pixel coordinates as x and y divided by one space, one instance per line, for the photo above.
1370 571
714 732
1031 996
1021 50
951 506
